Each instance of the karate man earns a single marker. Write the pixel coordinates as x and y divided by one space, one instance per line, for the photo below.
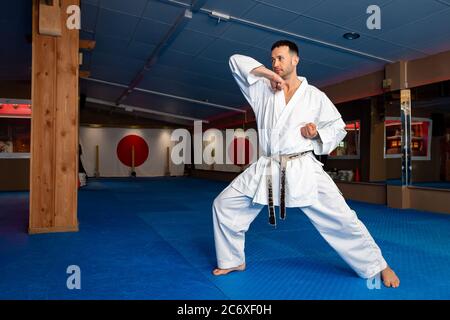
294 119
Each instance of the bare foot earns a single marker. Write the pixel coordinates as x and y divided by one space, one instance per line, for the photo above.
389 278
220 272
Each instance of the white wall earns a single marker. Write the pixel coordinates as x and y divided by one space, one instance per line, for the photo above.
158 140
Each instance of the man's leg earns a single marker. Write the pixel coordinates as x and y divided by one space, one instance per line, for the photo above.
232 214
341 228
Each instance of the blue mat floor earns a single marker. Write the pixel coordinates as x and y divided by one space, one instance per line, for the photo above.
153 239
430 184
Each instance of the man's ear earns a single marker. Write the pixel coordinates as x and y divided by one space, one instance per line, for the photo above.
296 60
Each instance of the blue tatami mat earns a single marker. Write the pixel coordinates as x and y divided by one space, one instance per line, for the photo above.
153 239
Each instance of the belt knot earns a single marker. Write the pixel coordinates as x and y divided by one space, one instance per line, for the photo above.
282 160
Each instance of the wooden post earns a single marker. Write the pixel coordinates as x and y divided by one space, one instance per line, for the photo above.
48 25
54 127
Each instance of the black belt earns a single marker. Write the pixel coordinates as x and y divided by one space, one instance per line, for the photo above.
282 159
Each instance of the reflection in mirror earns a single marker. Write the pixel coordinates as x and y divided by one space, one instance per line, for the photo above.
430 133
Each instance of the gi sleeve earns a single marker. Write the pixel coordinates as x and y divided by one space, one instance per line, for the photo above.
330 127
250 85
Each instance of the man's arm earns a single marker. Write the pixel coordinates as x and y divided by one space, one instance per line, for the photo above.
247 72
329 137
330 128
276 82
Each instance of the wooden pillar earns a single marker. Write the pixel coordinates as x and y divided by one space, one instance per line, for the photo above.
54 125
377 161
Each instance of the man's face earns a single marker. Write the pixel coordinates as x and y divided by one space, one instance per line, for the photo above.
283 62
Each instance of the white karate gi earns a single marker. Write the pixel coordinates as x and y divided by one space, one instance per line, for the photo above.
308 186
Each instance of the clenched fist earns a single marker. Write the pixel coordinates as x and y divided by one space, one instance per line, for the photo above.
277 83
309 131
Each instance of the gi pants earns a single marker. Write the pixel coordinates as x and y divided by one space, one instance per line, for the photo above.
233 212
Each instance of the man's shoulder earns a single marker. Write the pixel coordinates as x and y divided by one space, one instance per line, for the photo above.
313 90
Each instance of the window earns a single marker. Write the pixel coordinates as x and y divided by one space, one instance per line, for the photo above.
15 129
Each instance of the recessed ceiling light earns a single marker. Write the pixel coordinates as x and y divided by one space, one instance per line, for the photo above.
351 35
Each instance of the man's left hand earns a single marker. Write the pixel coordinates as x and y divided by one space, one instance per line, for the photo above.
309 131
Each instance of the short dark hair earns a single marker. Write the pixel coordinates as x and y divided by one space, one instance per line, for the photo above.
292 46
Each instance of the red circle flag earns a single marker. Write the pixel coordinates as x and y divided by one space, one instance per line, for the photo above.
124 149
240 151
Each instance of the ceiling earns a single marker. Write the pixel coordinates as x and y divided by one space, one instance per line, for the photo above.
15 48
191 53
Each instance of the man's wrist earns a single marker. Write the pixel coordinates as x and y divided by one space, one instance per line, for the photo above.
317 137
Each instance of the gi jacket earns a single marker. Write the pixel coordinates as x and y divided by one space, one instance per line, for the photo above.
279 133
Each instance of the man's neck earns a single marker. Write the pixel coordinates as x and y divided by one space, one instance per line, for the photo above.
292 82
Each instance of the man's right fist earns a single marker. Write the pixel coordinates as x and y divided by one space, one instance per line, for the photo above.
276 82
309 131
